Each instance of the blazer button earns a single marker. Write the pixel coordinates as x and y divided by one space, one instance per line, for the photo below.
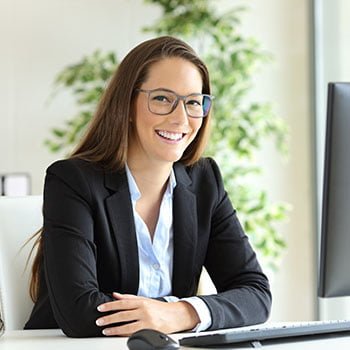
156 266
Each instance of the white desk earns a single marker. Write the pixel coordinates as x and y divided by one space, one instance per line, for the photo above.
56 340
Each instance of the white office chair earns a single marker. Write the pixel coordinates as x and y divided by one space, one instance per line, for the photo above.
20 217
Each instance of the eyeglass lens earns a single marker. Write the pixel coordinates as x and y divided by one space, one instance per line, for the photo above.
164 102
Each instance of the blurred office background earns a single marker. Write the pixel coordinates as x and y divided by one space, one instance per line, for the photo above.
309 42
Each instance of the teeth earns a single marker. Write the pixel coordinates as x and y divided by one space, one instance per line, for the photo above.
170 136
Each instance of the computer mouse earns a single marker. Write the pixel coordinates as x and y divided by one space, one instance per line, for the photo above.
150 339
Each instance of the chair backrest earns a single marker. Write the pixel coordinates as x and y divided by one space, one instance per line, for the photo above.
20 217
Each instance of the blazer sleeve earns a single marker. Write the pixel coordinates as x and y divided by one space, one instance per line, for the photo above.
70 252
244 295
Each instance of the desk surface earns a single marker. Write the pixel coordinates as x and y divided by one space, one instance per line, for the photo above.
56 340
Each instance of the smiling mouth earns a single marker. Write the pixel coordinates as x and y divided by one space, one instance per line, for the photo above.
172 136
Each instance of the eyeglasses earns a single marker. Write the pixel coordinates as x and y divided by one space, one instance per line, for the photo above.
163 102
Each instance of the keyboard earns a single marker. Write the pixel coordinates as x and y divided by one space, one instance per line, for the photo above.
266 332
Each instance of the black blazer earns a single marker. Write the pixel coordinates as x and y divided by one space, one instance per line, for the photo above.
90 248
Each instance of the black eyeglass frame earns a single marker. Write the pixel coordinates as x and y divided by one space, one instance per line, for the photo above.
176 102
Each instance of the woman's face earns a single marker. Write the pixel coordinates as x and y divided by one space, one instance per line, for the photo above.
164 138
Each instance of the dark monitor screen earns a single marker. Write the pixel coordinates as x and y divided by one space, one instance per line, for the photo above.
334 278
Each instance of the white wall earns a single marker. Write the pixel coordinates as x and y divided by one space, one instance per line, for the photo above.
40 37
283 28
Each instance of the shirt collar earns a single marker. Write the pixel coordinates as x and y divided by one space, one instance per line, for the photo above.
135 192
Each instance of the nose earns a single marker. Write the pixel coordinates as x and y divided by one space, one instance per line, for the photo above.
179 115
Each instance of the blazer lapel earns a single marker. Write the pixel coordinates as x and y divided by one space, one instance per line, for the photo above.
119 209
185 233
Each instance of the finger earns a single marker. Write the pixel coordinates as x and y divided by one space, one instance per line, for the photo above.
111 305
118 305
124 330
118 317
124 296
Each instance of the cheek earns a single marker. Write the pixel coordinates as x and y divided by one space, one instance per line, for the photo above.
196 125
142 119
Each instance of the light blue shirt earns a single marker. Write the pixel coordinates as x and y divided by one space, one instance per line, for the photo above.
156 259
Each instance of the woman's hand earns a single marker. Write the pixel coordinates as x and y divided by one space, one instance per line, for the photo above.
141 312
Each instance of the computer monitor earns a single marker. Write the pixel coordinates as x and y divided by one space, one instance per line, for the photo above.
334 277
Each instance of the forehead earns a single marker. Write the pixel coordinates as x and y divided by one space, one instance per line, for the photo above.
176 74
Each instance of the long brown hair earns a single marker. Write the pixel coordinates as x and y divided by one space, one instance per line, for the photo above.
106 139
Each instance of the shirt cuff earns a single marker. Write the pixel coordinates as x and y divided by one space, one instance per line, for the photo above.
171 299
203 313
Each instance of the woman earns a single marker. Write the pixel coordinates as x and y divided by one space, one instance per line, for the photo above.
133 215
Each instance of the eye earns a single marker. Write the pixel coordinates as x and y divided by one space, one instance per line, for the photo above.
194 103
161 98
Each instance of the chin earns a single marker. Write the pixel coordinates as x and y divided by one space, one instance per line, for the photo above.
171 158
